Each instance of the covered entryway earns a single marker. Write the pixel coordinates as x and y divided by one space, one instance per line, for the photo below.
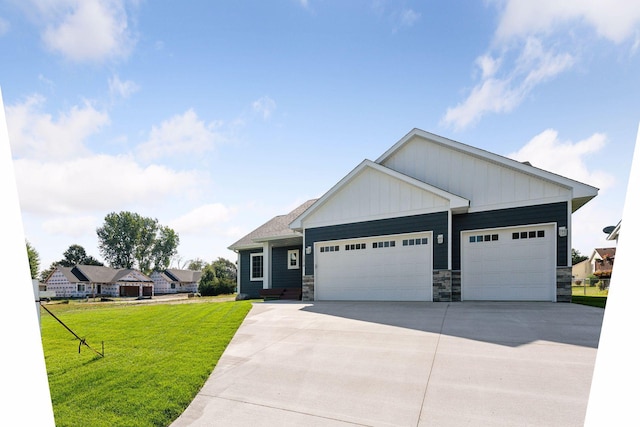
382 268
517 263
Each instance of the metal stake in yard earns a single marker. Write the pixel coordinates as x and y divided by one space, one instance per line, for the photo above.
83 341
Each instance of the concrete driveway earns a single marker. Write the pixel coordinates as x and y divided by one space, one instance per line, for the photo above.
404 364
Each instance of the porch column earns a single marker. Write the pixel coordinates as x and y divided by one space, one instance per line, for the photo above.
266 265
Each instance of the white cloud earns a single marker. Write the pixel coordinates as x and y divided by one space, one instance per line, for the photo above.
534 42
182 134
94 183
501 93
408 17
84 30
264 106
203 219
615 20
36 134
122 89
547 151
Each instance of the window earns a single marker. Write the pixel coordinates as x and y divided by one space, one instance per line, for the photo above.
293 262
485 238
173 286
330 249
257 269
528 234
80 287
387 244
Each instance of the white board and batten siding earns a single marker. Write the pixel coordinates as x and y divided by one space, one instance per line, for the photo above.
382 268
488 184
514 263
374 193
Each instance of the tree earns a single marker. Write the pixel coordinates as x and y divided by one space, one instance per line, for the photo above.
75 255
577 257
34 260
196 264
128 240
217 278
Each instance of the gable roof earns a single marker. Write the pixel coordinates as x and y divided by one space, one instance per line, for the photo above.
456 203
98 274
185 276
582 193
276 228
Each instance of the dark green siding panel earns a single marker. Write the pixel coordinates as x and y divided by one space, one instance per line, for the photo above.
553 212
435 222
283 277
246 285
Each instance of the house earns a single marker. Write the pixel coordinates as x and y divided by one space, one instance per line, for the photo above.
87 280
431 219
601 262
581 270
173 281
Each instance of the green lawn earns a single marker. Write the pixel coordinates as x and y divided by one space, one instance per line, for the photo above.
589 295
157 357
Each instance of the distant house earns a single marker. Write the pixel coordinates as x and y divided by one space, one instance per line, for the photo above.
600 264
601 261
172 281
86 280
581 271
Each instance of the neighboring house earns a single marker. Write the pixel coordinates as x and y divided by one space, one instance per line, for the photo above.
601 262
581 270
173 281
87 280
430 220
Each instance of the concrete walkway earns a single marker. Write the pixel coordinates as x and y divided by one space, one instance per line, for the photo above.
404 364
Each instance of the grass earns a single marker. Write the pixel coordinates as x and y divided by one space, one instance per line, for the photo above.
157 357
589 295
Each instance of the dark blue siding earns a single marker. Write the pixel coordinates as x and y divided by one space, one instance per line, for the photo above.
282 277
246 285
436 222
553 212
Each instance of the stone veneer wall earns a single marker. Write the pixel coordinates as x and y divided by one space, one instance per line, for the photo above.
456 286
308 287
442 286
563 284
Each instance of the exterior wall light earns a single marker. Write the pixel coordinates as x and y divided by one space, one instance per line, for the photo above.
440 239
307 250
562 231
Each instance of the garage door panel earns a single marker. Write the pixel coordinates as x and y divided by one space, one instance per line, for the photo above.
375 271
516 264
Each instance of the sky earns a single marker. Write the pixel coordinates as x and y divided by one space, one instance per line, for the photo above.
213 117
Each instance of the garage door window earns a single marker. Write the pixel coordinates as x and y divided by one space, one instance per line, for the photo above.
484 238
387 244
528 234
412 242
355 247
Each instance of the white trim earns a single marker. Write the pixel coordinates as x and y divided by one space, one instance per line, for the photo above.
266 266
579 189
515 227
251 278
456 203
340 242
297 253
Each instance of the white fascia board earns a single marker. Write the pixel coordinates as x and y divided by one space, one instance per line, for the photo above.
280 237
455 202
580 189
245 247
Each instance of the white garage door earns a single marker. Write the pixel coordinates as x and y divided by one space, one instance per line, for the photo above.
509 264
383 268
